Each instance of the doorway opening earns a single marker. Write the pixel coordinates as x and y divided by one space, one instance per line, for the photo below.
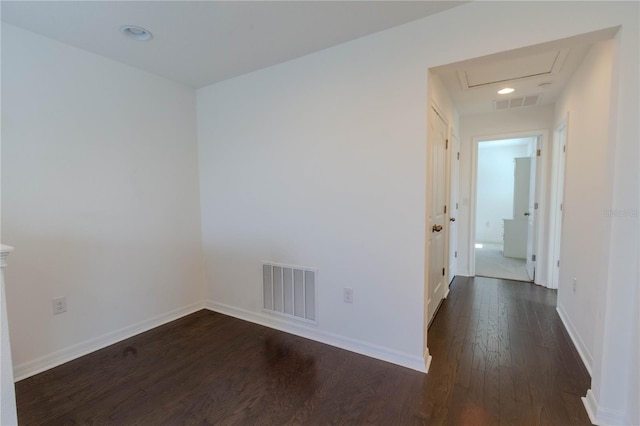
504 214
469 99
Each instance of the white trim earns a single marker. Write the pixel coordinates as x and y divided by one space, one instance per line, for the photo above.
38 365
542 196
363 348
582 349
427 360
557 164
289 266
599 415
440 112
591 406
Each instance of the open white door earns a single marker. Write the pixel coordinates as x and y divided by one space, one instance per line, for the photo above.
437 216
532 213
558 178
453 206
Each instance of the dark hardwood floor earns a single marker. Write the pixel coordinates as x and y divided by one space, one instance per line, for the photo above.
500 356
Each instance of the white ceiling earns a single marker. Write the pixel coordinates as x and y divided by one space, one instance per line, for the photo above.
473 84
199 43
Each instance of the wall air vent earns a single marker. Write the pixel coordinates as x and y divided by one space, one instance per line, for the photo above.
521 101
289 291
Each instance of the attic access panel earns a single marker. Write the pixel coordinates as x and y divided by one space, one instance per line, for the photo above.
541 64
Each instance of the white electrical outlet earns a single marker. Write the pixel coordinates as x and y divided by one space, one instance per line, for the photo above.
348 295
59 305
575 282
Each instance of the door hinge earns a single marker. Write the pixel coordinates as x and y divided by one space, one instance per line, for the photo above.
455 254
535 206
533 257
443 272
558 263
538 152
445 208
560 206
458 156
564 148
446 144
456 206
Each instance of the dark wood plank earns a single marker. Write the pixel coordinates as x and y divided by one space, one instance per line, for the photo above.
500 356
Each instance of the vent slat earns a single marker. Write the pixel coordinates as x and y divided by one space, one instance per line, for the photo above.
504 104
515 102
267 287
278 296
289 291
298 293
531 100
310 305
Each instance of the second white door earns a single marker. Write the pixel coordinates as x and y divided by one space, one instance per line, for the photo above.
437 217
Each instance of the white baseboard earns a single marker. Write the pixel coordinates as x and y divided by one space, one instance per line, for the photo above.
312 333
427 359
599 415
38 365
591 405
582 349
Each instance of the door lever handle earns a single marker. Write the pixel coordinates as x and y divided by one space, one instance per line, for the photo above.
436 228
527 214
452 219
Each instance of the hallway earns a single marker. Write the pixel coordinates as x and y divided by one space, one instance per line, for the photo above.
501 355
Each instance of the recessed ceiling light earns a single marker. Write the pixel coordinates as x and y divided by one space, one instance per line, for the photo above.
506 91
136 33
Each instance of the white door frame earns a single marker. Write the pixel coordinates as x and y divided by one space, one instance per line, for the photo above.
532 221
541 172
556 195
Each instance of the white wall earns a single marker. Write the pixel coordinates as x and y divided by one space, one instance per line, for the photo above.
483 126
99 197
599 197
320 161
616 359
293 171
495 189
584 255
